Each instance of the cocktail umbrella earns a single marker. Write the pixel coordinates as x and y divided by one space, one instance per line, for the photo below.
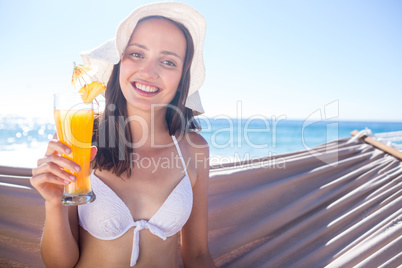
88 91
78 72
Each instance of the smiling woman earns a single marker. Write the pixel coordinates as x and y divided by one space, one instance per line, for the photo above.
152 64
153 71
144 59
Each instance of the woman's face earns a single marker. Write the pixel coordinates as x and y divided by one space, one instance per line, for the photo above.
152 64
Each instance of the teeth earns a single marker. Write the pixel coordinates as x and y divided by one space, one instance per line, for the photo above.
146 88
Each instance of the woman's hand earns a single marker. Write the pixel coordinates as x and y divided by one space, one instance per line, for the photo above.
60 239
49 177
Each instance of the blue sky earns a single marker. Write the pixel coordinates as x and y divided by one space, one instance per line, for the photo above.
271 58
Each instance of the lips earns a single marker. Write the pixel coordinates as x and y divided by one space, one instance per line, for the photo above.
145 90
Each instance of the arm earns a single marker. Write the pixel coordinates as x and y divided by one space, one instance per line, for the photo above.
59 244
195 252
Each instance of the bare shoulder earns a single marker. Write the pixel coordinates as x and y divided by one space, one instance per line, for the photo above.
195 146
196 142
196 153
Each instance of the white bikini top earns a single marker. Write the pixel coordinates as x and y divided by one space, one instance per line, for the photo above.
108 217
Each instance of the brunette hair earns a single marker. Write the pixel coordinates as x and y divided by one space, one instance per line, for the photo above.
111 133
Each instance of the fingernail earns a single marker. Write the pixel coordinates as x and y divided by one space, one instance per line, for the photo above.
66 182
68 151
77 168
72 178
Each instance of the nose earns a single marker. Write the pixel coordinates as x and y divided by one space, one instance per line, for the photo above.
149 70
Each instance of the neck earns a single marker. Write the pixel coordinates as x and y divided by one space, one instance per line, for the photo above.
145 125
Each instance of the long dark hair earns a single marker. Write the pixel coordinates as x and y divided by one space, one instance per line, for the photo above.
112 134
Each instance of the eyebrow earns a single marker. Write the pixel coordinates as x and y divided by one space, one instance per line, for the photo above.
163 52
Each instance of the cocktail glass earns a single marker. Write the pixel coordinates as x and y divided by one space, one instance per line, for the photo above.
74 125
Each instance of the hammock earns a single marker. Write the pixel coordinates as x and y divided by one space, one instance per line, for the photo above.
338 205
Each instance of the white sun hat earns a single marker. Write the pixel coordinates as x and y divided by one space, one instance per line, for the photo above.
105 56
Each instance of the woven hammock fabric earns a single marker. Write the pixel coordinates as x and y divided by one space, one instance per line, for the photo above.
338 205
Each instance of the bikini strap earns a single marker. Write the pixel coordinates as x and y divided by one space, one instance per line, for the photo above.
180 154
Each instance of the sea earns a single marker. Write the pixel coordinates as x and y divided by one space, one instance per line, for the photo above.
23 140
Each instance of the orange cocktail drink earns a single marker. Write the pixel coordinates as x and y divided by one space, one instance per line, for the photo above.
74 124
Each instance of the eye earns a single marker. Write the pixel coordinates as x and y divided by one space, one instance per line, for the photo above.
169 63
136 55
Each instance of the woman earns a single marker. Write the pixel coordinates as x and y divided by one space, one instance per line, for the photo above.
150 172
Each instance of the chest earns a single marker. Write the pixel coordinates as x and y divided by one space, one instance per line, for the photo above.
108 217
151 183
